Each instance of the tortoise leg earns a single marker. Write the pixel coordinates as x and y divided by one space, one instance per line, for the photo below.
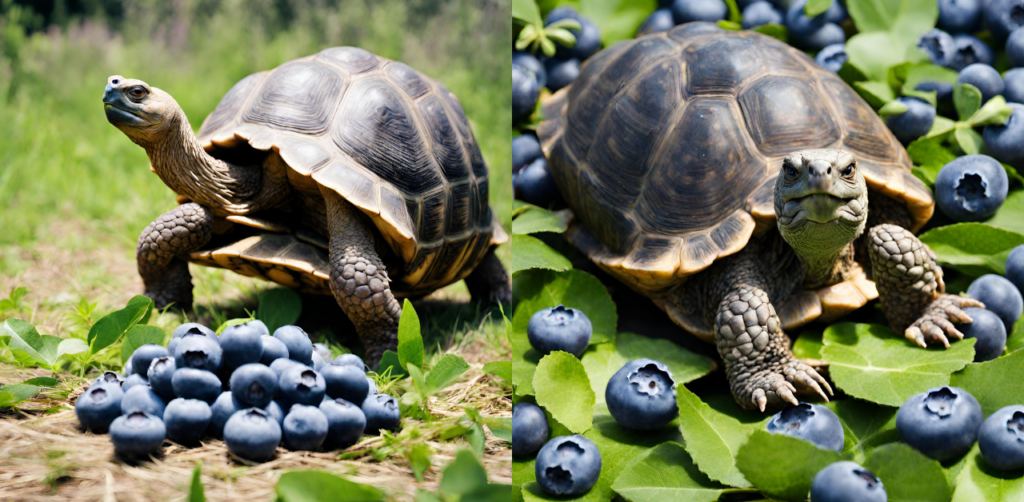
488 282
177 232
911 290
359 280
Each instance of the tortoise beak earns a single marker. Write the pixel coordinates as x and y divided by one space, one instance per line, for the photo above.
118 110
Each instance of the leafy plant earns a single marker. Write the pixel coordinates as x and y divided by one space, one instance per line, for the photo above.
279 307
13 305
537 37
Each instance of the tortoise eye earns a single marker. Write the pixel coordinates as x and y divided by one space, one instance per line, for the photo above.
848 172
790 171
137 92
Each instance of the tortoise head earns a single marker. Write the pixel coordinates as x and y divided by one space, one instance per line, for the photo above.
142 112
821 191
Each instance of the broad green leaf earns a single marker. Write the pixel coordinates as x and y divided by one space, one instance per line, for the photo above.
1011 214
418 380
815 7
667 473
603 360
535 219
873 363
972 248
321 486
714 437
773 30
524 363
526 11
425 496
500 427
279 307
139 335
940 128
978 481
410 341
908 475
110 327
24 337
529 252
390 359
500 369
995 383
994 112
419 459
968 139
195 489
1015 341
893 108
562 388
232 322
617 19
560 36
876 93
71 346
808 345
15 393
865 425
930 156
462 475
920 73
782 467
445 372
908 18
42 381
966 99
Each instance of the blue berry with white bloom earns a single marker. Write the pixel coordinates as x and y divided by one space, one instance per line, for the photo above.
971 188
252 434
186 420
568 466
559 328
137 434
642 395
813 423
942 423
847 482
832 57
1001 438
999 296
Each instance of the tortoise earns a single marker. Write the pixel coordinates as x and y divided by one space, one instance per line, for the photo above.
339 173
668 150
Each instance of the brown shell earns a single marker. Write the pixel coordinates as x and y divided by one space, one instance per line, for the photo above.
667 147
392 141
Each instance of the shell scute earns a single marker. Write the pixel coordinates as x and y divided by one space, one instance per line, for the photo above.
353 59
720 64
300 96
784 113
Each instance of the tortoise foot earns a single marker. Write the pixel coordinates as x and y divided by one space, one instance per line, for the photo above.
172 287
937 322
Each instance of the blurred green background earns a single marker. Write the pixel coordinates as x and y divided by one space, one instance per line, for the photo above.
62 165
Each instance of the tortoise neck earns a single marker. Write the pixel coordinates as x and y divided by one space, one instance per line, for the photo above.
184 166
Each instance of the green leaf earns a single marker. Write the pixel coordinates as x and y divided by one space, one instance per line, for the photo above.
876 93
500 427
667 473
40 348
729 25
931 156
968 140
873 363
940 128
417 377
888 33
195 489
390 360
232 322
42 381
994 383
1015 341
734 11
15 393
773 30
978 481
425 496
110 327
1010 215
419 459
462 475
445 372
603 360
562 388
530 252
714 435
994 112
71 346
920 73
808 345
526 11
410 341
972 248
908 475
535 219
966 99
500 369
782 467
617 19
815 7
476 438
320 486
561 36
865 425
893 108
279 307
139 335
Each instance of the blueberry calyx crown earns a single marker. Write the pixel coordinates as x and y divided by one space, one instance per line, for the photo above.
308 379
795 416
136 418
255 415
1016 425
868 476
940 402
195 358
651 379
560 316
971 189
193 331
98 394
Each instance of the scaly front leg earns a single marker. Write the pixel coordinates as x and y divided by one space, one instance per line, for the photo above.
911 290
178 232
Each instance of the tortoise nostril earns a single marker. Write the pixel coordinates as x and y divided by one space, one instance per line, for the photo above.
829 171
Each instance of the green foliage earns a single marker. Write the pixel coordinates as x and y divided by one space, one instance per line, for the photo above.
994 383
500 369
816 7
195 488
463 475
617 19
320 486
563 389
419 459
808 345
782 467
12 305
908 475
138 336
865 426
529 252
391 362
532 219
714 437
410 341
978 481
666 473
888 34
873 363
537 37
445 372
12 394
112 326
972 248
279 307
28 345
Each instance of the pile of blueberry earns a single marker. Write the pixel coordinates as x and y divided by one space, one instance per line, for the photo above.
255 390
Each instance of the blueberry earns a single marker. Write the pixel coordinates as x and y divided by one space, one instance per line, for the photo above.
847 482
98 406
560 13
939 46
302 386
220 411
531 63
685 11
943 90
1000 296
642 395
192 328
588 42
304 428
568 465
280 365
372 386
128 368
659 21
352 360
192 383
971 188
323 350
160 373
760 13
254 385
275 410
959 16
1015 48
813 423
142 397
536 185
144 355
133 380
984 77
252 434
273 349
524 93
529 429
242 344
345 423
832 57
815 33
559 328
1003 16
913 123
198 352
989 332
1001 438
1015 266
830 34
318 361
1004 141
345 382
112 377
525 149
970 50
381 412
186 420
941 423
137 434
561 72
300 348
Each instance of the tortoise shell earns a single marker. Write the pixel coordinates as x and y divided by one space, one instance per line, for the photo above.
667 147
390 140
